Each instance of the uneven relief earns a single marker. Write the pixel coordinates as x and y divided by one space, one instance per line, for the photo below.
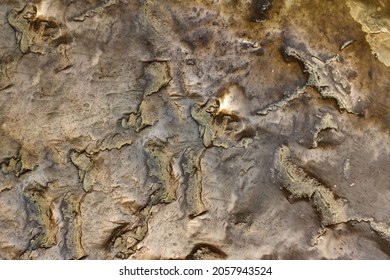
198 130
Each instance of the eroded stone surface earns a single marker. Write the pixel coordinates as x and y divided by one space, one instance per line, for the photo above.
194 129
375 21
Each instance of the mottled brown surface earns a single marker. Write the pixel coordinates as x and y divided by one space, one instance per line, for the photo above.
231 129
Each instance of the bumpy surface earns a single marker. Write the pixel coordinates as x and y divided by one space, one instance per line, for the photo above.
202 129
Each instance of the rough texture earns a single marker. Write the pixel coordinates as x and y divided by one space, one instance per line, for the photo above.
235 129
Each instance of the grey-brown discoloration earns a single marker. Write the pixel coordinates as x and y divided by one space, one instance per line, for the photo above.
72 235
39 206
242 129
